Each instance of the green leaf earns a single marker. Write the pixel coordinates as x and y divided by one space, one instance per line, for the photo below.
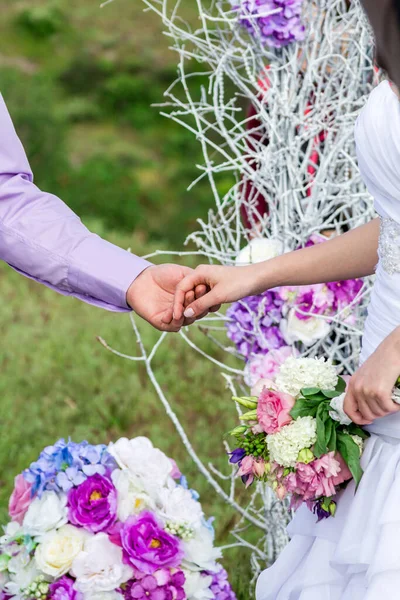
354 429
310 391
331 393
351 455
305 407
341 385
332 442
323 419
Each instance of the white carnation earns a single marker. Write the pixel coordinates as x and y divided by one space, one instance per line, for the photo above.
132 499
259 250
176 505
22 572
298 373
99 568
200 554
148 465
308 331
46 514
285 445
338 414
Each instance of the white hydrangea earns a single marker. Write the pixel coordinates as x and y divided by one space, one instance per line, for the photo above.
285 445
298 373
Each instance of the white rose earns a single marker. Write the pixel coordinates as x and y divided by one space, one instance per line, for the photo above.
100 568
199 552
151 466
197 586
58 549
177 505
45 514
308 331
22 572
132 499
259 250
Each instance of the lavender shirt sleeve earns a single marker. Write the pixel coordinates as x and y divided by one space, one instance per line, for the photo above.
41 238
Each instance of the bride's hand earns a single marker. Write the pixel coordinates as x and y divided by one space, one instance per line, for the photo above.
369 393
224 284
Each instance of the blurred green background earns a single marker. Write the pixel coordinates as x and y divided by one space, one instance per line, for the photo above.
79 82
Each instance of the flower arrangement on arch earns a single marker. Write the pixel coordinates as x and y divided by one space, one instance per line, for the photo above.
117 522
268 328
297 438
277 22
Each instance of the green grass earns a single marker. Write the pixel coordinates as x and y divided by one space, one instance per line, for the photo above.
80 98
58 381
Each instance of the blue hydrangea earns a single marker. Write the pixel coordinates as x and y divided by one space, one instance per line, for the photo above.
67 464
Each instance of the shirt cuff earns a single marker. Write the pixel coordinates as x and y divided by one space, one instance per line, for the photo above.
100 270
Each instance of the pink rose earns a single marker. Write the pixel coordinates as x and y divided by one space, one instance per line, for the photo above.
344 472
20 499
266 366
273 410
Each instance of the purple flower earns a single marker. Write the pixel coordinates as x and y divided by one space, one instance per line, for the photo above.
220 586
93 505
163 584
254 324
236 456
345 292
63 589
276 22
147 546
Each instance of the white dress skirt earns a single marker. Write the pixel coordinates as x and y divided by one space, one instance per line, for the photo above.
356 554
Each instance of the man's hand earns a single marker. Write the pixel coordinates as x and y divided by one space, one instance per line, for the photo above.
369 393
151 296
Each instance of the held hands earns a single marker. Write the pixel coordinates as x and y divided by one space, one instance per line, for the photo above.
369 393
151 296
221 284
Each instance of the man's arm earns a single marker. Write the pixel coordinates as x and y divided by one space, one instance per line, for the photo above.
43 239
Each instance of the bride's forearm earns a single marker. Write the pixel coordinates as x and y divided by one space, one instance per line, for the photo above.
351 255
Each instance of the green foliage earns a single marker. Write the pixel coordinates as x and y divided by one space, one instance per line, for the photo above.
104 188
32 101
42 21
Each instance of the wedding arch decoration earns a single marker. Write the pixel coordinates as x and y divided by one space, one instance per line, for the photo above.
271 90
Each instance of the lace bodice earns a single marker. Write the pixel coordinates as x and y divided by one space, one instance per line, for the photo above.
389 245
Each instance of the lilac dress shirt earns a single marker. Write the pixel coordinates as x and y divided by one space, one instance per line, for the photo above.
41 238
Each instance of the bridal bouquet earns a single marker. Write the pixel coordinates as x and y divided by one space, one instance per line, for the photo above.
113 522
297 437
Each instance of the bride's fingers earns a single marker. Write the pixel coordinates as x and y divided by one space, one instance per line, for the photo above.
351 408
201 290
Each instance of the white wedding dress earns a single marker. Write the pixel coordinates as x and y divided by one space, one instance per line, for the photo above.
356 555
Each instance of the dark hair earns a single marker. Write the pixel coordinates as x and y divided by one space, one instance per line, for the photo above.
396 6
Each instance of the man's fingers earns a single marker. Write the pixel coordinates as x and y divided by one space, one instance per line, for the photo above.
215 308
201 290
188 284
189 297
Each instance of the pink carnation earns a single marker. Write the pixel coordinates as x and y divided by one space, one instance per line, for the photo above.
318 478
273 410
20 499
266 366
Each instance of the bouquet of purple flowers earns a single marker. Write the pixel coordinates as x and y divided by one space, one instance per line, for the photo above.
113 522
